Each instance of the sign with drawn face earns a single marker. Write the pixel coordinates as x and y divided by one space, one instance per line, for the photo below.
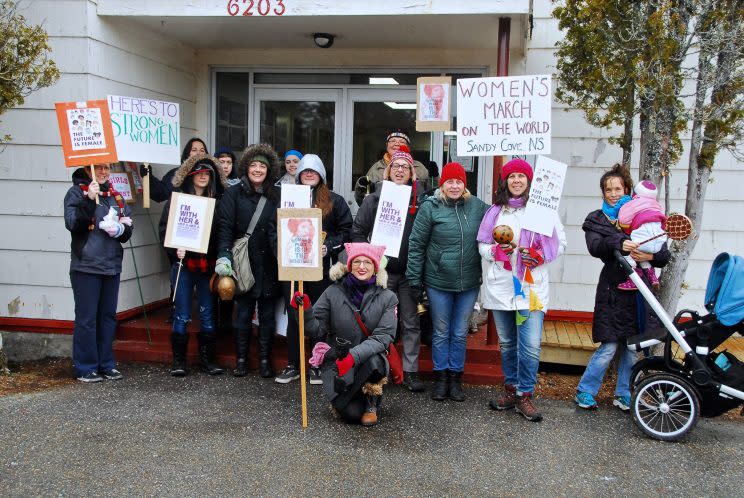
300 237
541 211
189 222
433 103
85 132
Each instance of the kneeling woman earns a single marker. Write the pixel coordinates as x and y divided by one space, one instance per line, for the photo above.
356 317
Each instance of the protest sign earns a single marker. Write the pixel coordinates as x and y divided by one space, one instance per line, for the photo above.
136 178
123 183
85 130
504 116
295 196
299 232
541 212
189 222
146 130
390 218
433 103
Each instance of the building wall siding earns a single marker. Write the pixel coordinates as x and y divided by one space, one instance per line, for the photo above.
97 56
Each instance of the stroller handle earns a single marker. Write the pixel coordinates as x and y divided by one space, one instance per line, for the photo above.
623 263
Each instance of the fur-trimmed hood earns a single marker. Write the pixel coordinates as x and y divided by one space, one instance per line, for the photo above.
338 271
263 150
183 171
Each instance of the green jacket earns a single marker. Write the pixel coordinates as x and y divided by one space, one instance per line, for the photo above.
442 251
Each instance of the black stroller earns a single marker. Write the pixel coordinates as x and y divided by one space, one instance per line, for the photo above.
670 392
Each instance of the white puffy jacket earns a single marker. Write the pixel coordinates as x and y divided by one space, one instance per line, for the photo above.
497 290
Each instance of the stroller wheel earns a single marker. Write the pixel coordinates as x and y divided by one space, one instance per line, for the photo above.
665 406
645 367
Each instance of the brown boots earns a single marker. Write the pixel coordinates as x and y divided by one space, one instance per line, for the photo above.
524 405
373 394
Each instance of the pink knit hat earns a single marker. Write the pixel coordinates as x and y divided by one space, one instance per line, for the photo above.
646 188
517 166
356 249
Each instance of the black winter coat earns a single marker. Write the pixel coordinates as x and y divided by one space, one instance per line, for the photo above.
337 226
615 311
364 222
93 251
234 213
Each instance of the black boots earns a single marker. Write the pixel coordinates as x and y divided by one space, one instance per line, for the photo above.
179 344
441 387
265 338
208 353
455 386
242 338
412 383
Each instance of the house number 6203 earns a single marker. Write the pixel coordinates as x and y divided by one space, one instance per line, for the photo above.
259 7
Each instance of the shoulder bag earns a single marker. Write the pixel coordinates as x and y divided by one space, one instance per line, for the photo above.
242 272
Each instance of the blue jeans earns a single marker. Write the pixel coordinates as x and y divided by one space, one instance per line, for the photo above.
184 298
95 321
450 312
520 348
595 369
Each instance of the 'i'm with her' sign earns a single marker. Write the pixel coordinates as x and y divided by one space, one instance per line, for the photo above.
189 222
504 116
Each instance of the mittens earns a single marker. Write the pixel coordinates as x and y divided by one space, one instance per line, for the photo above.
223 267
344 365
300 299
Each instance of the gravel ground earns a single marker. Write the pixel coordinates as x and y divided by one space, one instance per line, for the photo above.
152 434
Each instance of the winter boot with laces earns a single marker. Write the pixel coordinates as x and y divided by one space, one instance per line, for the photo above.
504 400
526 407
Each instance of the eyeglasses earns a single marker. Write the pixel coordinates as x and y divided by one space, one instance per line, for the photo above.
394 141
359 262
399 166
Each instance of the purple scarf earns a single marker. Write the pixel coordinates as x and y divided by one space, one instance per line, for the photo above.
356 288
527 238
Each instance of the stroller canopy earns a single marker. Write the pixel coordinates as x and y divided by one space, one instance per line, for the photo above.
724 295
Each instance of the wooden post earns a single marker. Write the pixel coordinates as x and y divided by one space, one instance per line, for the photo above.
93 178
146 187
303 385
502 69
178 275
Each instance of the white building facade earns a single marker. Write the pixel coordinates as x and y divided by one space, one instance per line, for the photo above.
258 75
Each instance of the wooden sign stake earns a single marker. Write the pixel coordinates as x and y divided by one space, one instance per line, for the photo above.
178 275
303 385
146 187
93 178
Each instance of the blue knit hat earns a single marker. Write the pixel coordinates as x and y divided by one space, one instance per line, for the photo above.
293 152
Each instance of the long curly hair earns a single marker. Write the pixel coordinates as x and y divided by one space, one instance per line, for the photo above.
617 171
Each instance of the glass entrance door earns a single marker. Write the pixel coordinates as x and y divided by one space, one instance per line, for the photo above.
370 115
302 119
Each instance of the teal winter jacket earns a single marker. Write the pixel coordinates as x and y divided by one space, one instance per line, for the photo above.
442 251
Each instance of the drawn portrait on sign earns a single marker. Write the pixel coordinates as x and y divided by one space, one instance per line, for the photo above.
299 239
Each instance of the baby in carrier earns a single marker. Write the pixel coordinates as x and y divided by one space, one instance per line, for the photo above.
643 218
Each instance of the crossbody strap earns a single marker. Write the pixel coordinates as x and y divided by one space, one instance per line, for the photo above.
361 323
256 216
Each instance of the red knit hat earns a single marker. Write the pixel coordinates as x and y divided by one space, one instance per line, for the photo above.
356 249
516 166
452 171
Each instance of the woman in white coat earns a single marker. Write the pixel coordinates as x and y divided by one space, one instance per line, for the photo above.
516 286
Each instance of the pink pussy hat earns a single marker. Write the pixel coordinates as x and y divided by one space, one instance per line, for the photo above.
646 188
356 249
